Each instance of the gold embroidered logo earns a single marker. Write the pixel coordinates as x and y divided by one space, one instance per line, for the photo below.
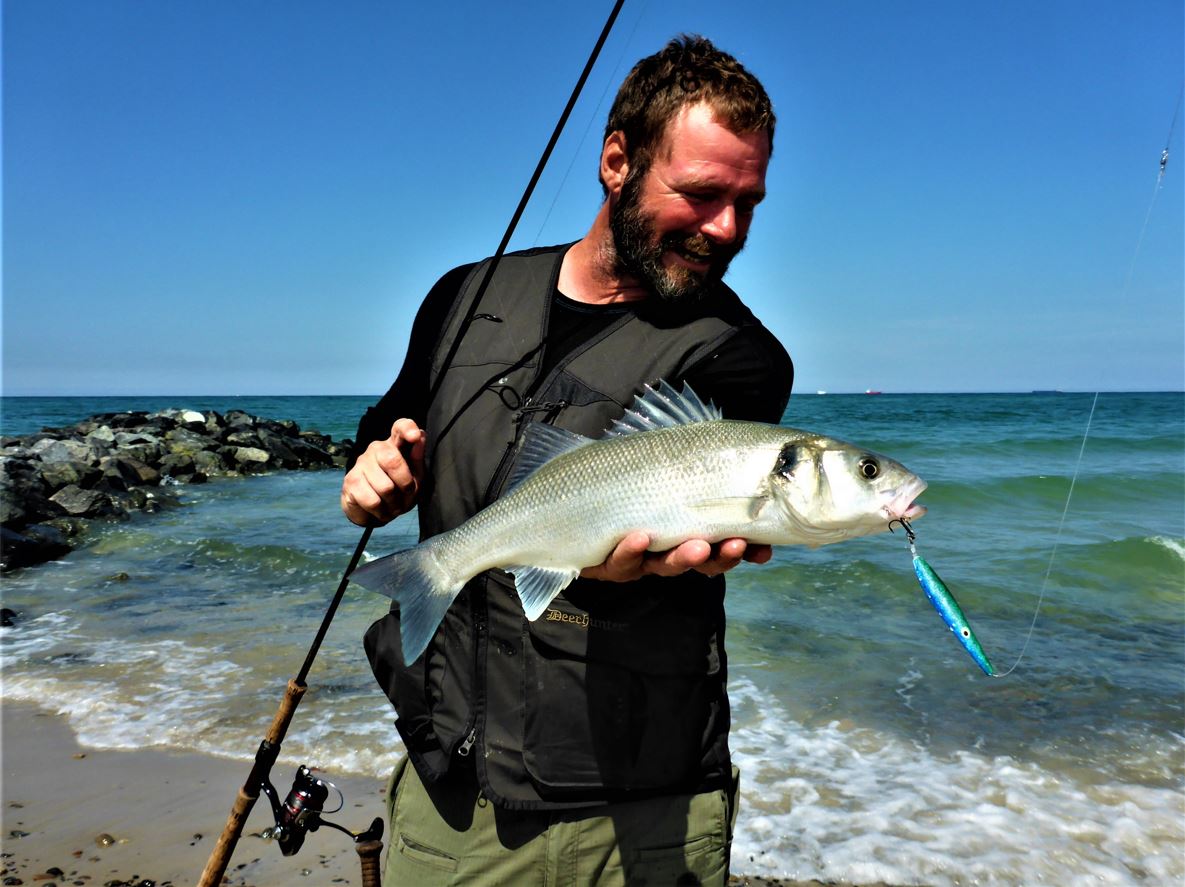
581 620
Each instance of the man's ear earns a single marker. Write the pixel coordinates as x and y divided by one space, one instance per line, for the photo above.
615 165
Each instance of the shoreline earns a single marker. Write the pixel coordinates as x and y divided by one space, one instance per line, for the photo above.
163 809
74 815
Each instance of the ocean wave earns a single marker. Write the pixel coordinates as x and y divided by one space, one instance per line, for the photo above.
1175 546
843 803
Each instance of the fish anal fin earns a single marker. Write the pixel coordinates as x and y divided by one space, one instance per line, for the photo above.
538 586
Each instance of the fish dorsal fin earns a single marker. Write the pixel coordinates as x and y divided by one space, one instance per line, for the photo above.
664 407
542 443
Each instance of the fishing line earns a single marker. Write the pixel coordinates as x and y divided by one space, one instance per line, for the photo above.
1056 541
935 589
1164 160
522 205
593 115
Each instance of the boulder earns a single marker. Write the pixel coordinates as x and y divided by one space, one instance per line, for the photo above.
250 458
243 438
103 436
24 496
61 474
78 502
186 442
131 470
176 465
35 544
209 463
67 451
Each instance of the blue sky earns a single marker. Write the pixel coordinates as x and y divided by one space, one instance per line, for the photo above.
252 197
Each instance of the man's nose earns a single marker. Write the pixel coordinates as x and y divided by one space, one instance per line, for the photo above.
722 226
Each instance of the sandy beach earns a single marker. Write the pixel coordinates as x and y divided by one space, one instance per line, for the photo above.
76 816
163 810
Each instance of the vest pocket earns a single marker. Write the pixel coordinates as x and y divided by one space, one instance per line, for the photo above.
605 710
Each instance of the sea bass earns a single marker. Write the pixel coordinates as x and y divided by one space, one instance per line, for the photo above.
671 467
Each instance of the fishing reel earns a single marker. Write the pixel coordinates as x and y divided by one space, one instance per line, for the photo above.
302 812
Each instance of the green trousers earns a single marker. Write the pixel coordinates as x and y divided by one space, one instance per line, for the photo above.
451 835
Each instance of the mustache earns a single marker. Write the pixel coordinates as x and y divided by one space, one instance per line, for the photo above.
700 247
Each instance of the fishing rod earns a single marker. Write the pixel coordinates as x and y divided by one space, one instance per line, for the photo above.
301 810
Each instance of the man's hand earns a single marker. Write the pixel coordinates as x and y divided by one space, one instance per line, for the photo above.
630 559
385 480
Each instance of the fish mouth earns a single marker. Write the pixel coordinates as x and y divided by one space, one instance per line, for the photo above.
902 506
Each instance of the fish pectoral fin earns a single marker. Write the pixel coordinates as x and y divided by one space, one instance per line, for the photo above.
538 586
732 509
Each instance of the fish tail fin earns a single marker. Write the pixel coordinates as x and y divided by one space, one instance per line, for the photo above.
416 580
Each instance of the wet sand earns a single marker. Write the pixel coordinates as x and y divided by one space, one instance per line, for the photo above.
75 816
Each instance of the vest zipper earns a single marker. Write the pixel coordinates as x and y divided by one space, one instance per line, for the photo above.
464 748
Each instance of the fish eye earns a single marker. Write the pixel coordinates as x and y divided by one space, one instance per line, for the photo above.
868 468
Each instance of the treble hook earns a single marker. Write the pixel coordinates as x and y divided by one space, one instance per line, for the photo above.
909 533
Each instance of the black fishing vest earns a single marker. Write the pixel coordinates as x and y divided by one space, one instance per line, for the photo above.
618 689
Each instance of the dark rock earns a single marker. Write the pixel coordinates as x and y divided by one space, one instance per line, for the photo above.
67 451
250 458
176 465
209 463
70 527
186 442
237 419
24 496
61 474
243 439
8 620
132 472
76 501
35 544
54 482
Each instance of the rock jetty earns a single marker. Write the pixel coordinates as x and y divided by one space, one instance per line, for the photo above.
55 482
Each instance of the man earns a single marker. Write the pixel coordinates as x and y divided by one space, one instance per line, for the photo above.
589 746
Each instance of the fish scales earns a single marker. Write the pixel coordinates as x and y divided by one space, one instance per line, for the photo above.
646 482
671 467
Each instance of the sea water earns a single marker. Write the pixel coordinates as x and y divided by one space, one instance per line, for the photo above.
871 746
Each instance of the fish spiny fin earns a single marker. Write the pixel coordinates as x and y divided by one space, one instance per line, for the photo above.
542 443
538 586
419 584
663 407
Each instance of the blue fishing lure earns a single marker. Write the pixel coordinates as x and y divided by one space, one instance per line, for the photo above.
946 605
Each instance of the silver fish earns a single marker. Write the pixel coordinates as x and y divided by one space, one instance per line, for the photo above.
671 467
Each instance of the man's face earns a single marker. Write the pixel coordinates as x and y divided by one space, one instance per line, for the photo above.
677 224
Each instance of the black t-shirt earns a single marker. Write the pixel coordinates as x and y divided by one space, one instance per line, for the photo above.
734 374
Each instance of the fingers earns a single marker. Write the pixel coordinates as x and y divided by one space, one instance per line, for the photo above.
385 481
625 561
630 559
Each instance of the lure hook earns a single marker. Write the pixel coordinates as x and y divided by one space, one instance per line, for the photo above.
909 533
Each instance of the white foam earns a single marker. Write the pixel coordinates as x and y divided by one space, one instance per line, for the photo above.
1176 546
846 804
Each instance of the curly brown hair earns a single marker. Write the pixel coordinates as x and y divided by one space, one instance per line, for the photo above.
687 71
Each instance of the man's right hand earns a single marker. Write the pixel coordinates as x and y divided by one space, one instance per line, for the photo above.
385 481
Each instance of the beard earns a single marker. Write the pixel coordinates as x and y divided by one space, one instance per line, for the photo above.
639 250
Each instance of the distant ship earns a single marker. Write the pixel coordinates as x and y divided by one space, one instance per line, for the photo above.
870 391
820 391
